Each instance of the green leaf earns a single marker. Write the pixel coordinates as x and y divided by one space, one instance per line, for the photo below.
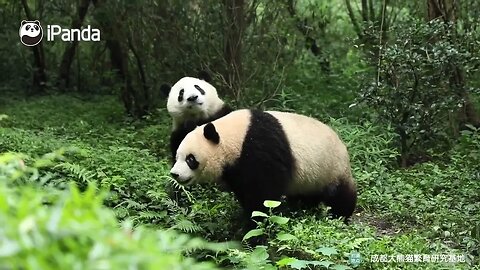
258 214
259 255
286 237
299 264
467 125
327 251
285 261
325 264
279 220
271 204
252 233
340 267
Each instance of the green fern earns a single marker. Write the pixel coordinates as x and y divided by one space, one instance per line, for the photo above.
177 186
75 171
186 225
158 195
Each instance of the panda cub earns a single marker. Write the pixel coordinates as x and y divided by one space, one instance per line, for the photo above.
264 155
192 102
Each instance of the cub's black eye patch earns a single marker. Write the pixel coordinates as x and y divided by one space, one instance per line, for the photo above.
180 95
192 162
200 89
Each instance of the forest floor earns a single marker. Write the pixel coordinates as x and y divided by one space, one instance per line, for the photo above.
429 209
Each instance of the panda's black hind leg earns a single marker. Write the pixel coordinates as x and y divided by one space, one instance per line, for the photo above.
341 197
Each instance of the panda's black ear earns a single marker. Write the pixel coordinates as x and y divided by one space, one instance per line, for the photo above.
203 75
165 89
24 22
210 133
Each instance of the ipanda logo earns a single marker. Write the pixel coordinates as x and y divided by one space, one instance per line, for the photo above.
31 33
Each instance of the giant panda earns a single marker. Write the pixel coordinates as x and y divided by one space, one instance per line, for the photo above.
192 102
264 155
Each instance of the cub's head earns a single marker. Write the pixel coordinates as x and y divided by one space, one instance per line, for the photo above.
191 99
197 157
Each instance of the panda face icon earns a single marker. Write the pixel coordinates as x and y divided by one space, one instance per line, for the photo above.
31 33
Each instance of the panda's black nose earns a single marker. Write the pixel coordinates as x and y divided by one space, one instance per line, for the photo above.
174 175
192 98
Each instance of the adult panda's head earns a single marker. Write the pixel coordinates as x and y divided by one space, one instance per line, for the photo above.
192 99
208 149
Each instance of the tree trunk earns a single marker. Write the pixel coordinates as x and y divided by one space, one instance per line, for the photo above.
235 16
119 64
445 10
134 104
64 72
142 73
39 73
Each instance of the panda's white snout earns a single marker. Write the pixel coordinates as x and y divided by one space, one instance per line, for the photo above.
181 178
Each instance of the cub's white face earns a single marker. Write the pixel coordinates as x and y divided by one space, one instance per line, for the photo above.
192 158
192 99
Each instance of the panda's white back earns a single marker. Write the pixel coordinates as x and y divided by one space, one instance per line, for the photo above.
321 157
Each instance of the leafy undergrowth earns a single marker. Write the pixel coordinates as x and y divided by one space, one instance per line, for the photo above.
430 209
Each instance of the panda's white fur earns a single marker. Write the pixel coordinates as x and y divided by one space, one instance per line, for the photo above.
192 102
203 107
321 168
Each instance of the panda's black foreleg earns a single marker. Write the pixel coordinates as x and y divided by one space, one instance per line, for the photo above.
251 192
253 201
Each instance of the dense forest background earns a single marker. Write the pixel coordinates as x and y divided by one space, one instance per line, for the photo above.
84 131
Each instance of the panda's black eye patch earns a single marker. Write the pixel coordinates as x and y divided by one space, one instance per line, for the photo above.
180 95
28 27
192 162
200 89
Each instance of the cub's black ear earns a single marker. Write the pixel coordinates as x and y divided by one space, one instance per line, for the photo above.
165 89
24 22
210 133
203 75
37 22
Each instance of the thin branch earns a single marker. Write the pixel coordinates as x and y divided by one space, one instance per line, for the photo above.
384 5
351 14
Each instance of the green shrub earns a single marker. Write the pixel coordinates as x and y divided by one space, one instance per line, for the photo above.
414 90
67 229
